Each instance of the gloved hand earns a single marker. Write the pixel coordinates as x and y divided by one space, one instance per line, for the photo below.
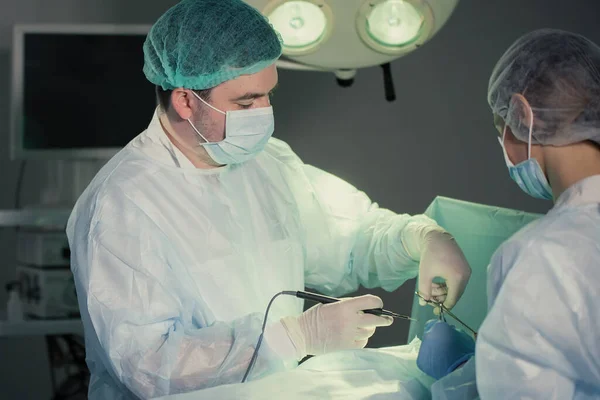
439 256
336 326
443 349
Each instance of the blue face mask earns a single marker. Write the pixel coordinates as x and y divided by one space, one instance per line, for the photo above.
528 174
247 132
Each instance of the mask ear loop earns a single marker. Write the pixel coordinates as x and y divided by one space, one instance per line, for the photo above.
197 132
209 105
530 132
206 103
530 139
524 100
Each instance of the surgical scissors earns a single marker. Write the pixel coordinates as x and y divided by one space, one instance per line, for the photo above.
444 310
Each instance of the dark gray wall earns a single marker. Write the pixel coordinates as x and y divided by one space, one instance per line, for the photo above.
436 139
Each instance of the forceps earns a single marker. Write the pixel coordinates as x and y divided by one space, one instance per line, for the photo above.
444 310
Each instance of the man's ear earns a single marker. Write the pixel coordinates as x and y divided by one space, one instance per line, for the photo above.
181 103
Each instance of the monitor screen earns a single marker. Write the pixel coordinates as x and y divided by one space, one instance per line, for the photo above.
82 94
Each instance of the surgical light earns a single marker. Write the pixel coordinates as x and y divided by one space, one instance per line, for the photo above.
394 23
301 24
342 36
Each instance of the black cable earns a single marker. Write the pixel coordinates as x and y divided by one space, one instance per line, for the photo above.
260 338
70 388
76 384
20 178
388 82
77 354
51 346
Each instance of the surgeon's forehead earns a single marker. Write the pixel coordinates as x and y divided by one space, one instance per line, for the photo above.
261 83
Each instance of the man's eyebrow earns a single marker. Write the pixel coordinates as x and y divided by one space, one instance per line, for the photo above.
253 95
250 96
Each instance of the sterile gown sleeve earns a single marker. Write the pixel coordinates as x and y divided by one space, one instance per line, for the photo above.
139 314
458 385
540 338
352 242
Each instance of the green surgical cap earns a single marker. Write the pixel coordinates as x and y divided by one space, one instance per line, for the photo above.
199 44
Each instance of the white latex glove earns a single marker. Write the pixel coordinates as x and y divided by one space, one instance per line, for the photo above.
441 257
336 326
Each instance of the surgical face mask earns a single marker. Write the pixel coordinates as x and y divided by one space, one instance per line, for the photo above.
246 134
528 174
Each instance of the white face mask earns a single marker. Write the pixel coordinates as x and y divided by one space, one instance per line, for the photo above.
246 134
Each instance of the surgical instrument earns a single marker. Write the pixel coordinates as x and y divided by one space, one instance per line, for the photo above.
326 299
319 298
444 310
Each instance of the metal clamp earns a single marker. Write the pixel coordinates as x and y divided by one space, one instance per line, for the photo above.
444 310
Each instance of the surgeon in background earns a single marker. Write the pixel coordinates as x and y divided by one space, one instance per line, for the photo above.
182 239
541 337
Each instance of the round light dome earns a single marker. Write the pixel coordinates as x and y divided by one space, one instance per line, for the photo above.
395 23
301 24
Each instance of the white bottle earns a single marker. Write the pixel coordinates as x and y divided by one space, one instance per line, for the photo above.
14 307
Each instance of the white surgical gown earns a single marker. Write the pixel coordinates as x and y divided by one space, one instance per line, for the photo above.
174 266
541 337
